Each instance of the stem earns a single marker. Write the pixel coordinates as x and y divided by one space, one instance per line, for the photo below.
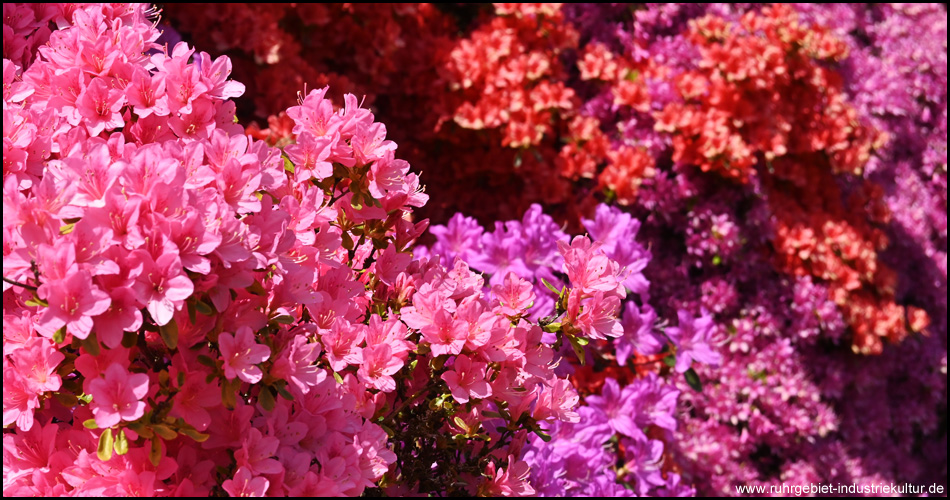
405 404
17 283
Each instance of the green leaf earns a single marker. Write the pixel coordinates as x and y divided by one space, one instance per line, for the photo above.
169 334
266 399
66 399
60 336
461 424
288 165
228 397
193 434
284 320
36 303
578 350
105 445
338 378
257 289
491 414
551 287
90 424
284 393
541 434
155 452
717 260
192 312
205 360
91 344
670 360
347 240
121 444
141 430
129 339
552 327
204 308
164 431
66 229
692 378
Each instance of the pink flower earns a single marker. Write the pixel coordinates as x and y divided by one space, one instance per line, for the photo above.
588 269
146 94
122 316
194 397
315 115
245 484
446 334
73 302
163 285
598 320
117 397
256 452
558 400
296 364
19 401
514 294
309 156
378 367
241 354
100 105
341 343
512 481
390 263
467 379
36 362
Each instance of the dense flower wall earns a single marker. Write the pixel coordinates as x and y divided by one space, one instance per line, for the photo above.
674 248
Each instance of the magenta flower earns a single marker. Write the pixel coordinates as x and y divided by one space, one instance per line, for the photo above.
118 396
692 338
241 354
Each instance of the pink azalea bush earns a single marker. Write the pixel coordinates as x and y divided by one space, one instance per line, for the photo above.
188 311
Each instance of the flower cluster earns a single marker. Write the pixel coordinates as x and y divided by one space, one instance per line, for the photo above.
627 425
763 189
163 271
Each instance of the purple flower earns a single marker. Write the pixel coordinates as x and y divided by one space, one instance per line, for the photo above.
692 338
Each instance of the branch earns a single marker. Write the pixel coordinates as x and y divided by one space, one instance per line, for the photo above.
17 283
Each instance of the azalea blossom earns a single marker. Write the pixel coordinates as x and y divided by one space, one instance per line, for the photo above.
117 396
241 354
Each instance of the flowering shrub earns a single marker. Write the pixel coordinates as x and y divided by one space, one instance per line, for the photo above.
163 271
763 190
620 442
